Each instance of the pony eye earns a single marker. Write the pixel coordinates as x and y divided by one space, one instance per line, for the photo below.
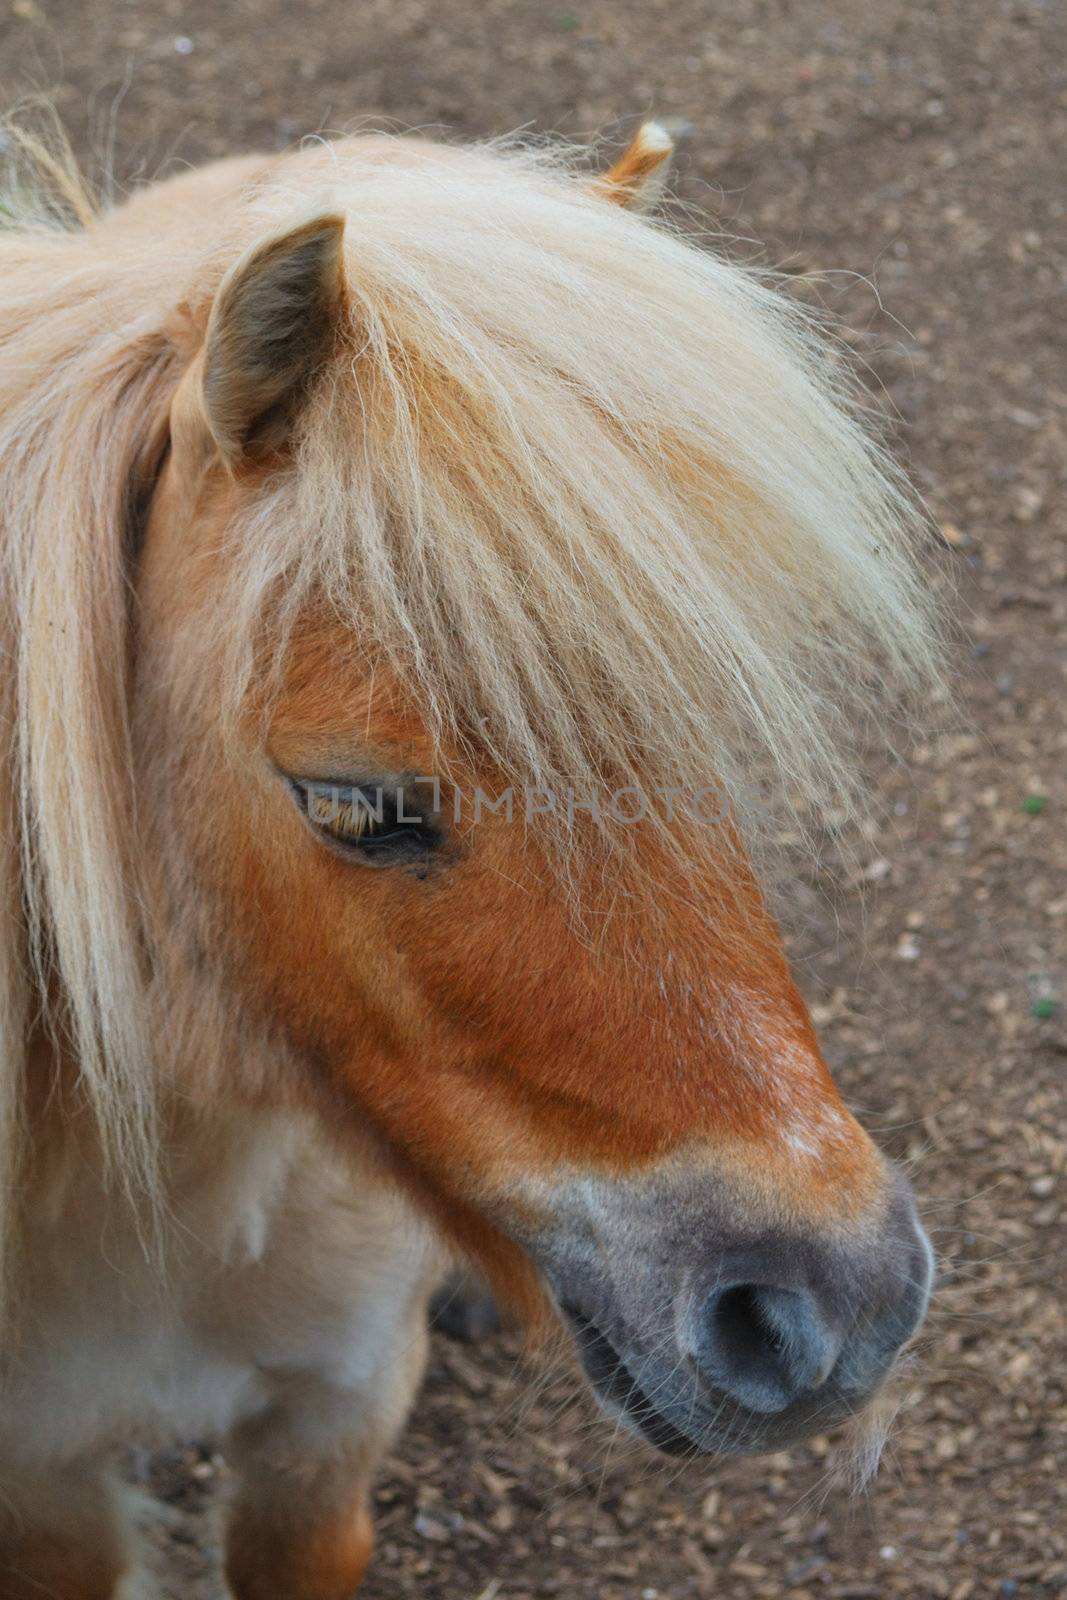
366 819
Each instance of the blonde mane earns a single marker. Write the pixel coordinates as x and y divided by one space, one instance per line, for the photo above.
602 497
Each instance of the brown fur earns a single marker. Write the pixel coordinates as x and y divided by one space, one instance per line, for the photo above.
60 1540
304 1546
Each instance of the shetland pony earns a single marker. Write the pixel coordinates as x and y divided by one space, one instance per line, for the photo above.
400 544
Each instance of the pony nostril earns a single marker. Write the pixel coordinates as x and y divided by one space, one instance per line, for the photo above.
765 1346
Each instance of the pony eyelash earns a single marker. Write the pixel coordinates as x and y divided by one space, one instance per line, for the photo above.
363 816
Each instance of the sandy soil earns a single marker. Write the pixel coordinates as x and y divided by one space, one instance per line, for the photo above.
913 152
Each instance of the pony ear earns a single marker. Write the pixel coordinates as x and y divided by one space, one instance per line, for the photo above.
639 177
271 326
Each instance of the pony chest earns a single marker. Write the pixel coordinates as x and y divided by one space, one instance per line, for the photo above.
115 1340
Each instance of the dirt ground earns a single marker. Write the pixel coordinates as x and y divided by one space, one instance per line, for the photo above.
915 152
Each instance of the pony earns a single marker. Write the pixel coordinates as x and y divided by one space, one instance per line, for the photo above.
427 580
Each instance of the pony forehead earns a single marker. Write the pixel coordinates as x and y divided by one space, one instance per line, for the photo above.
595 492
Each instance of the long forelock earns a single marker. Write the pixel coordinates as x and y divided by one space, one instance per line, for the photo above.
603 498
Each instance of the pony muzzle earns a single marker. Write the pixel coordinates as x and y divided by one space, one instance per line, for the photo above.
702 1338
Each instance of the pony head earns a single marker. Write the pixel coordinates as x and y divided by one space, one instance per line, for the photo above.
502 556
